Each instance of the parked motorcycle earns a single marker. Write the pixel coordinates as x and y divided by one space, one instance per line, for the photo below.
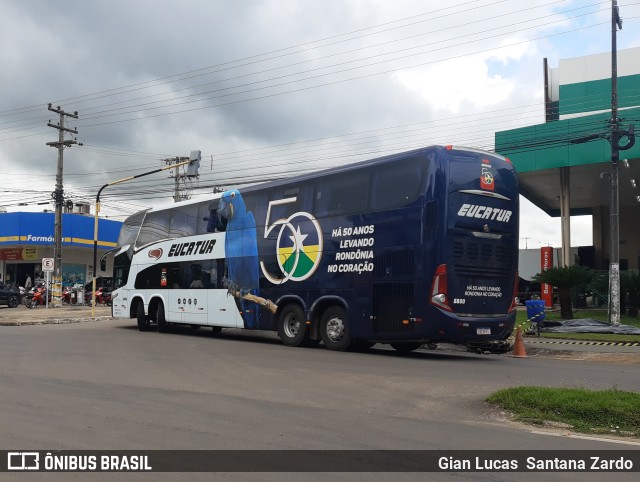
102 296
27 295
66 295
39 297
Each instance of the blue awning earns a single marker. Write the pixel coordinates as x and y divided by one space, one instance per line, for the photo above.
38 229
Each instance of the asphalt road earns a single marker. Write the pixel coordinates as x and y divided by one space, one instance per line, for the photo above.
105 385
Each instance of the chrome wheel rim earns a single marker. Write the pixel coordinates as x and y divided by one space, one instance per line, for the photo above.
291 325
335 329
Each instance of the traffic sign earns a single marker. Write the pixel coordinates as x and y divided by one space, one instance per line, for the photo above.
47 264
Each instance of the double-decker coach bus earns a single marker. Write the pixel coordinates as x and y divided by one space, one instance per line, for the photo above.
409 249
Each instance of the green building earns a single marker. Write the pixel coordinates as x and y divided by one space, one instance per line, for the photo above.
562 173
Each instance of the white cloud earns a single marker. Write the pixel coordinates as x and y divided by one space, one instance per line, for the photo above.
455 83
538 229
476 78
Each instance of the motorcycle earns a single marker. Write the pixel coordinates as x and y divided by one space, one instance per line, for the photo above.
39 297
102 297
27 295
66 295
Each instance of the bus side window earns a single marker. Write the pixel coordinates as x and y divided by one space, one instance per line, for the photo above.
206 279
394 186
174 278
222 272
211 272
154 277
343 195
195 276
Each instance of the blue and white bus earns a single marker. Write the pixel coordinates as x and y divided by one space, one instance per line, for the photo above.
409 249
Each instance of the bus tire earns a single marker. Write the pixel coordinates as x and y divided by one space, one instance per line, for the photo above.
405 348
216 330
291 325
143 321
334 329
163 326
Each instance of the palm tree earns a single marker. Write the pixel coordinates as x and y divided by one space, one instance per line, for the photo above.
564 279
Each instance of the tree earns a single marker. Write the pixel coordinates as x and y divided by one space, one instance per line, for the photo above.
564 279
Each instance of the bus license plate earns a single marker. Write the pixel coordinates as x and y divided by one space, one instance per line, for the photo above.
483 331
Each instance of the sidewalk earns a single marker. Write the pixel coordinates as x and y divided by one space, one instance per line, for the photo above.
42 315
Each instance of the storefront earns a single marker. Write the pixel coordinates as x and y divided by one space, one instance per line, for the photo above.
27 238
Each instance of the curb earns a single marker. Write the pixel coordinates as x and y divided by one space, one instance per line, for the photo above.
592 343
54 321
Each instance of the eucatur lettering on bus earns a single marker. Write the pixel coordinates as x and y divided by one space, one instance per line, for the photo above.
484 212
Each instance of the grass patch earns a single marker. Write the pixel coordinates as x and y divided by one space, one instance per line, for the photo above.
586 411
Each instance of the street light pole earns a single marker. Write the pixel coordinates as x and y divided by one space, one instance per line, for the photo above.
95 223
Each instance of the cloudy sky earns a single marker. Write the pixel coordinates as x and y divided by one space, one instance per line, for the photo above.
271 88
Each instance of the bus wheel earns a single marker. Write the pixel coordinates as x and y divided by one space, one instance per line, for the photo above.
334 329
216 330
405 348
291 325
163 327
143 321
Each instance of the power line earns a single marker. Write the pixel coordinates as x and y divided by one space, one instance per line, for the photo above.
359 60
173 76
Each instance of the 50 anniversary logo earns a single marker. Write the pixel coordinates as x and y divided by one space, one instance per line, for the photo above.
298 248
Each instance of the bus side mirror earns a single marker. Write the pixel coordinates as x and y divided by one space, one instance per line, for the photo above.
103 265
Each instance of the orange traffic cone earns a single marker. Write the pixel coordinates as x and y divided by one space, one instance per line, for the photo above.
518 346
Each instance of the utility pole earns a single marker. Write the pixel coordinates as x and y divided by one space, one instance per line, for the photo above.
192 172
614 226
615 136
58 196
177 196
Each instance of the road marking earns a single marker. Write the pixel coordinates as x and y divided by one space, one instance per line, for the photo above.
587 437
592 343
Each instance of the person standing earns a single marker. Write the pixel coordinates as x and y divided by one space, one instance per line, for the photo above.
27 283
